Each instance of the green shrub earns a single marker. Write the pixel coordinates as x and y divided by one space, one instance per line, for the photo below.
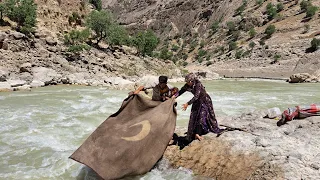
276 57
23 12
165 54
193 45
231 27
200 59
78 48
235 35
214 27
146 42
246 53
184 63
175 48
97 4
76 37
202 53
117 35
271 11
262 41
99 22
232 45
74 18
240 9
311 11
220 49
239 53
259 2
280 7
184 56
252 44
202 43
76 40
315 43
252 32
270 30
304 5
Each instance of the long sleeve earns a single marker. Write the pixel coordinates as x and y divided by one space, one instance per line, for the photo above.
196 94
182 90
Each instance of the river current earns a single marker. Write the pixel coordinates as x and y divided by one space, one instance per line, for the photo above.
41 128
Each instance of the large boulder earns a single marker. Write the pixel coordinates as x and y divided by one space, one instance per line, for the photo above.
16 83
25 67
46 75
35 84
77 78
5 86
302 77
120 83
4 74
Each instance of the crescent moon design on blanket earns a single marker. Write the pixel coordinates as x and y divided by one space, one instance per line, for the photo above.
146 126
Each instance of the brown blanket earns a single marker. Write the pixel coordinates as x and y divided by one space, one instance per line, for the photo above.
131 141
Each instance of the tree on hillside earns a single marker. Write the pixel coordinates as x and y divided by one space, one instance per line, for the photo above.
76 40
145 42
100 22
311 11
24 12
252 32
270 30
271 11
117 35
315 43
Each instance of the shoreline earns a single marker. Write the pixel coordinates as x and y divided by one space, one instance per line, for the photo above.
119 85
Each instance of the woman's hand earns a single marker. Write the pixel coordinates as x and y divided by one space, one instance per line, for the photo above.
185 106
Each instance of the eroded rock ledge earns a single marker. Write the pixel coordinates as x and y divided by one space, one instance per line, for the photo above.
265 151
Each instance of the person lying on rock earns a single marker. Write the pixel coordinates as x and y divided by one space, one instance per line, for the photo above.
299 112
202 118
160 91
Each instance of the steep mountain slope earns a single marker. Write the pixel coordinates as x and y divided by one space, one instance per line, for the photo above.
186 28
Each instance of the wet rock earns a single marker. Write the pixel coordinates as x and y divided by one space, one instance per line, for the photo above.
45 75
302 77
16 83
22 88
35 84
5 86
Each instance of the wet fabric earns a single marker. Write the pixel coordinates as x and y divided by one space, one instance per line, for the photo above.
131 141
202 112
302 111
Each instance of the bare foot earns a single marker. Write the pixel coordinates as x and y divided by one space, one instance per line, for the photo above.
199 137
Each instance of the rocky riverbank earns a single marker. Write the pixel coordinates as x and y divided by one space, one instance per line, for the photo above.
42 60
28 62
262 151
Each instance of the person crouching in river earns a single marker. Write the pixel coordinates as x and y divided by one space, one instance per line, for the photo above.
161 91
202 117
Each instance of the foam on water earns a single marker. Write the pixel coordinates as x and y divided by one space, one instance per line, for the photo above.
42 128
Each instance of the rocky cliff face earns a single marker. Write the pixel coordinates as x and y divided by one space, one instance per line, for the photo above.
188 26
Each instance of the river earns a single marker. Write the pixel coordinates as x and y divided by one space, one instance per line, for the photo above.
41 128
